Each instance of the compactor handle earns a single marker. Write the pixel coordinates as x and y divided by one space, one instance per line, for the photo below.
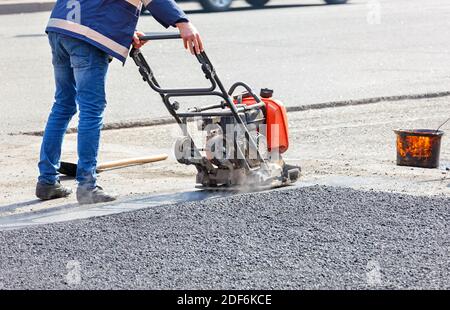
153 36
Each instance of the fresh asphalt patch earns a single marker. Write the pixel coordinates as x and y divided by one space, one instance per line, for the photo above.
310 237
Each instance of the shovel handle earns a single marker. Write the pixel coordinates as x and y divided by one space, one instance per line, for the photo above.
131 161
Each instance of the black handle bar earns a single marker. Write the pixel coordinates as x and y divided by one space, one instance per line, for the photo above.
153 36
210 75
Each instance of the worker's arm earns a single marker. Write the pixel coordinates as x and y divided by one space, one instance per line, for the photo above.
168 13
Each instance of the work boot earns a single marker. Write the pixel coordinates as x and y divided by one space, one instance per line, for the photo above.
87 195
52 191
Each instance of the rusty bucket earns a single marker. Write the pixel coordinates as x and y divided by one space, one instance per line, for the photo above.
418 147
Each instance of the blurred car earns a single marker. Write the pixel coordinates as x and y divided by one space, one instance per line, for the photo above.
223 5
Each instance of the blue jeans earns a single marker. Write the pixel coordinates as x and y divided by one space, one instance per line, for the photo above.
80 71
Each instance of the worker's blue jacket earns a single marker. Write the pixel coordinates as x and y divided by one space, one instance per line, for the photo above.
109 24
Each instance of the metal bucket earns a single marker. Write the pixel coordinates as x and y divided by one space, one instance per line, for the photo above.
418 147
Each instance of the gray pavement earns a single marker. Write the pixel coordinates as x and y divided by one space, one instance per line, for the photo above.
314 237
25 6
351 146
303 237
308 52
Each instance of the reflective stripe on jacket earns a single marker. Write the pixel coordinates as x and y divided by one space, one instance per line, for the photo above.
109 24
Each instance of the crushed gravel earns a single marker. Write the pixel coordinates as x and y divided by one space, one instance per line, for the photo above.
314 237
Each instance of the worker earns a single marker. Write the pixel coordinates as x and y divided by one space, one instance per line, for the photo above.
84 36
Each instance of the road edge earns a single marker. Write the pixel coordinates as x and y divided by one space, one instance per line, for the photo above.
299 108
26 7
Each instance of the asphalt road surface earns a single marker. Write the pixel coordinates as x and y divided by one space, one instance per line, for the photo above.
310 237
307 51
313 237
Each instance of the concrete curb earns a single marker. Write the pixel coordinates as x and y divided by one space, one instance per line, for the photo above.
324 105
25 7
343 103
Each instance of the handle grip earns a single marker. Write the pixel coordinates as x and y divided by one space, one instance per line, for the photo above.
70 169
131 161
153 36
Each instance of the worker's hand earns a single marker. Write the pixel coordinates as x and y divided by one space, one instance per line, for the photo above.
191 37
136 42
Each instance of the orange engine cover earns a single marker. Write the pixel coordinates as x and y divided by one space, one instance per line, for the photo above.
277 123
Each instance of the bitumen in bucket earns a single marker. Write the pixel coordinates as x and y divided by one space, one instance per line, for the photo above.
418 147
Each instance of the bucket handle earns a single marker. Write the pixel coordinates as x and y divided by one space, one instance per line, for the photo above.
448 119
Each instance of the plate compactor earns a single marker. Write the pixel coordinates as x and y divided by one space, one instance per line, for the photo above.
244 134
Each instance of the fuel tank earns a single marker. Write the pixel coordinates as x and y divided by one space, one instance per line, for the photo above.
277 131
